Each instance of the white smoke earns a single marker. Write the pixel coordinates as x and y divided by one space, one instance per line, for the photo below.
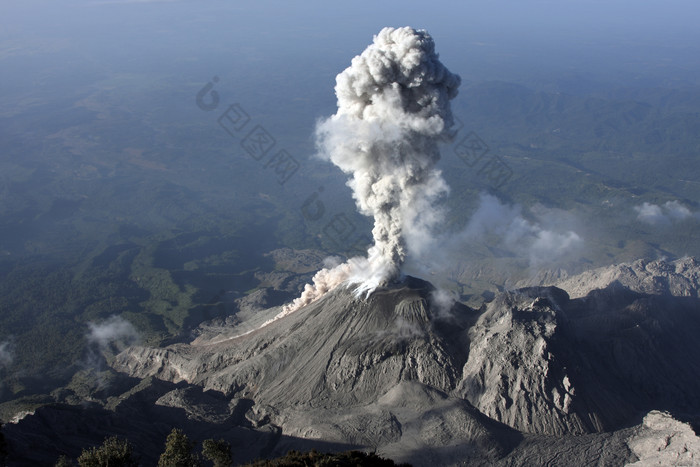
670 211
115 331
6 354
112 335
545 239
393 110
506 225
549 246
443 300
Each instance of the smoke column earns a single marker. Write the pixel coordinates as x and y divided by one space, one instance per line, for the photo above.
393 110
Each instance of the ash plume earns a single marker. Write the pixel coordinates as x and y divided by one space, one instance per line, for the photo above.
393 110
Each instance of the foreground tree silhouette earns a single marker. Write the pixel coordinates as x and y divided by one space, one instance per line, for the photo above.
314 458
3 447
178 451
114 452
217 451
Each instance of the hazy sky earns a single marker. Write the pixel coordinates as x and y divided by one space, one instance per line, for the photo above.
81 59
504 40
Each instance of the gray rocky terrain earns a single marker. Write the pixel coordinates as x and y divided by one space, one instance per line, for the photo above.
603 369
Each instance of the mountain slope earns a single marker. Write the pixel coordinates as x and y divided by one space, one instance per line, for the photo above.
356 370
374 371
542 362
339 351
537 376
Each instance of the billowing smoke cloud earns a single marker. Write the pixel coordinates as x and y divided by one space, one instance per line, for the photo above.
544 240
393 110
505 225
540 241
671 211
6 354
114 332
442 300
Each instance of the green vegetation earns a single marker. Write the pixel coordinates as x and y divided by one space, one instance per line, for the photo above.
118 452
178 451
166 298
45 306
114 452
218 452
316 459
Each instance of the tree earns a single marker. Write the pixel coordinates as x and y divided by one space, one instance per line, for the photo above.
63 461
317 459
219 452
114 452
178 451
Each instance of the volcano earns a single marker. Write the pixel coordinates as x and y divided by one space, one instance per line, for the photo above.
599 370
368 372
402 374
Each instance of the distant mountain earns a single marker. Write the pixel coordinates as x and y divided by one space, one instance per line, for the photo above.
593 372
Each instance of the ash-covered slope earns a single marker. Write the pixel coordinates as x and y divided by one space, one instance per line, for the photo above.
339 351
542 362
517 367
374 372
680 278
633 340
